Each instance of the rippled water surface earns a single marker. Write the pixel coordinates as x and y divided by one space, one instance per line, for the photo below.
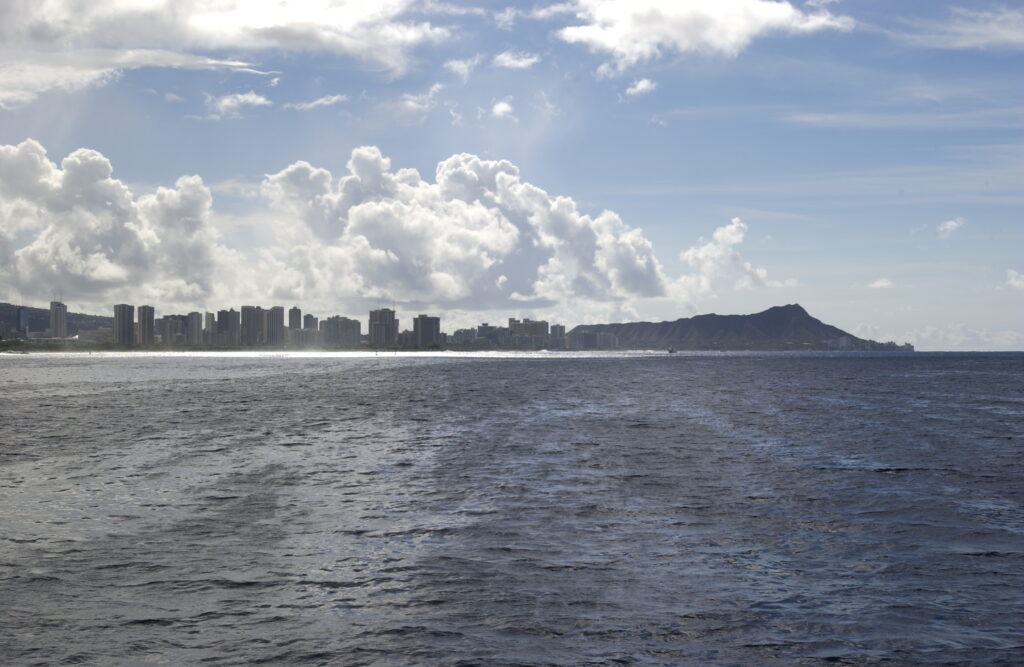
652 509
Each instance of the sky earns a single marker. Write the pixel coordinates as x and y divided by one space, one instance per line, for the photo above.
588 161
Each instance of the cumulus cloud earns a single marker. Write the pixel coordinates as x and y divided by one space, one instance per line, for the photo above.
945 229
719 257
515 60
881 283
68 45
636 31
641 87
503 109
476 237
325 101
84 232
230 106
1014 279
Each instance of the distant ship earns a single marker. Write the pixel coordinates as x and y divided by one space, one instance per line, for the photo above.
671 350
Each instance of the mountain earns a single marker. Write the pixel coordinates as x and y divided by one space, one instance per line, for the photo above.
39 319
778 328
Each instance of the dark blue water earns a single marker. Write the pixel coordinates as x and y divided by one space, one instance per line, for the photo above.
745 509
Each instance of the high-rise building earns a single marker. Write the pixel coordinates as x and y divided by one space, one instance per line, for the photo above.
172 329
58 320
228 328
209 329
383 328
557 337
124 324
22 320
309 322
294 318
275 326
426 331
250 325
337 330
264 326
194 329
146 319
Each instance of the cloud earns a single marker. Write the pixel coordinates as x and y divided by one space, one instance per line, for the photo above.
68 45
28 74
506 18
171 97
641 87
414 107
77 229
230 106
326 101
923 121
636 31
945 229
462 68
475 238
999 28
1014 279
503 109
881 283
515 60
719 257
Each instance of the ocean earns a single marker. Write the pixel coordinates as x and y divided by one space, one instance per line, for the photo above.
633 508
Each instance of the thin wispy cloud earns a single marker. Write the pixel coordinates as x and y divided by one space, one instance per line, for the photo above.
462 68
326 101
911 120
998 28
946 229
641 87
415 106
230 106
515 60
1015 279
881 283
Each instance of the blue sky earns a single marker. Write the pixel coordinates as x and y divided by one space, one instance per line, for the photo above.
613 160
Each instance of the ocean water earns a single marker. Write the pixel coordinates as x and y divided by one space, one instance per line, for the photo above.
519 509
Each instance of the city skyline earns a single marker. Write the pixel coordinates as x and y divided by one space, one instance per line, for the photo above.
596 160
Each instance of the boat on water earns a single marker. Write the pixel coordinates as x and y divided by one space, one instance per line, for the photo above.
671 350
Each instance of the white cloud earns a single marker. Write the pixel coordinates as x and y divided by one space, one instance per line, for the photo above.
325 101
999 28
67 44
641 87
515 60
636 31
230 106
881 283
945 229
415 107
90 237
25 75
478 238
506 18
716 258
1014 279
503 109
171 97
462 68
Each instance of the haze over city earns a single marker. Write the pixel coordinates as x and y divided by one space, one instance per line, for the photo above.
592 161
